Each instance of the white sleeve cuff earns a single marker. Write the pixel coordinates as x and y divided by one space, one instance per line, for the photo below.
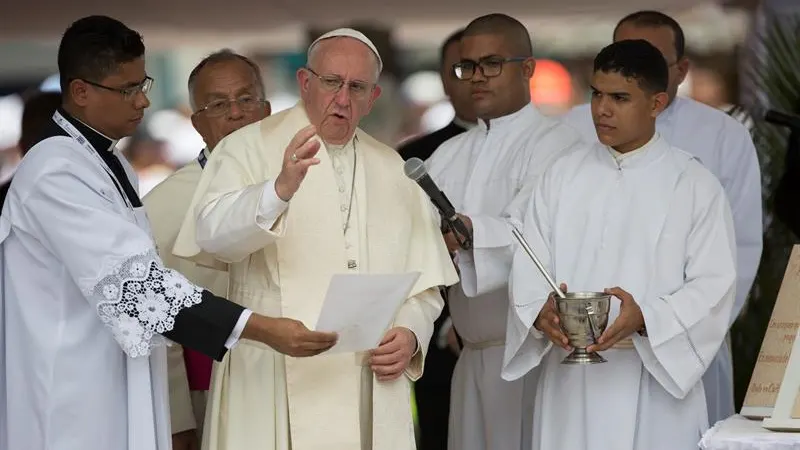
233 339
270 206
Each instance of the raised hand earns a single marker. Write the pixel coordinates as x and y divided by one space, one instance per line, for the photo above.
297 158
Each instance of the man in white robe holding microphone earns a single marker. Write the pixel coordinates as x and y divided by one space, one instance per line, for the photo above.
488 173
644 222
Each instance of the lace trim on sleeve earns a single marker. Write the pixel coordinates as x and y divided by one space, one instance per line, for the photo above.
139 299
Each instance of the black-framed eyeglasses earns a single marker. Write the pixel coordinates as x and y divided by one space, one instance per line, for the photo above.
333 83
490 66
127 93
222 107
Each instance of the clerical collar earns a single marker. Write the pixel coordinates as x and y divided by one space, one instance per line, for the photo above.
528 113
98 140
335 148
619 157
463 123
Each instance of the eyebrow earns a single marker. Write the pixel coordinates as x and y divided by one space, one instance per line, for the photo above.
354 80
252 89
620 94
134 83
491 56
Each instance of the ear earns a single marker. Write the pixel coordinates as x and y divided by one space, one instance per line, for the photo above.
79 92
683 68
267 109
196 123
375 94
660 102
529 67
302 79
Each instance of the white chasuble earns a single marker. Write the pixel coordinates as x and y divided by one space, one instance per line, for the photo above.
281 261
658 225
723 146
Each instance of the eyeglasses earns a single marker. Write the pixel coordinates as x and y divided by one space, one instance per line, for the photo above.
491 66
219 108
333 83
127 93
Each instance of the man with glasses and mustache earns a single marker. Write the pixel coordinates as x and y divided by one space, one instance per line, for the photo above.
726 148
288 202
226 92
488 173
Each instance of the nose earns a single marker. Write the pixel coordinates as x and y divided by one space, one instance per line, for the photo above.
477 75
142 102
342 97
235 112
603 108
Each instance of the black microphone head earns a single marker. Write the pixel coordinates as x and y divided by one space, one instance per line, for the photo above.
415 169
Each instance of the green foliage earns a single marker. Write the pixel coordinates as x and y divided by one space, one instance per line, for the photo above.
776 74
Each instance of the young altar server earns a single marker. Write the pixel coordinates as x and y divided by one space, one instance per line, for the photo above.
647 223
724 146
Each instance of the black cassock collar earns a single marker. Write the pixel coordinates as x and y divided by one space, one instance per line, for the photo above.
104 147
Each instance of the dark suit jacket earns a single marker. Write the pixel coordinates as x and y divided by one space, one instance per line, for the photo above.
424 146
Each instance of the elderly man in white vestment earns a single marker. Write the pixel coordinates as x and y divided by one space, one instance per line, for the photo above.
724 146
226 92
287 203
488 173
645 222
85 301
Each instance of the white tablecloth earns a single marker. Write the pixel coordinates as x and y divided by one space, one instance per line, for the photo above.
740 433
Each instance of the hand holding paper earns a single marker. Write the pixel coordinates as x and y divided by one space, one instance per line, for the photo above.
360 307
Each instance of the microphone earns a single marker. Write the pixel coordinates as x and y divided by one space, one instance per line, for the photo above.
415 170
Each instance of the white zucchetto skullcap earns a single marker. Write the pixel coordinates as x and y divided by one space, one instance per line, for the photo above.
351 33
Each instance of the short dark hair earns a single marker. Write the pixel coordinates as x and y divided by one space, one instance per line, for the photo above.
220 56
657 19
94 47
452 39
501 24
636 59
36 113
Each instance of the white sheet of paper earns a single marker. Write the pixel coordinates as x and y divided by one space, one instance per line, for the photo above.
360 307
